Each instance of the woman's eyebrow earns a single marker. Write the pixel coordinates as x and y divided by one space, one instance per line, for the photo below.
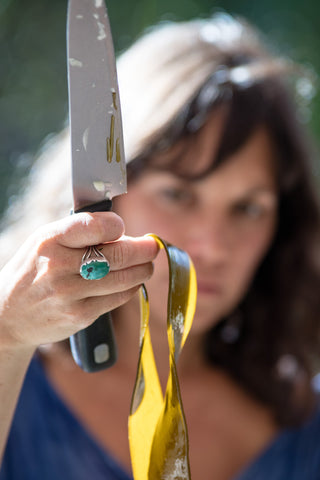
261 189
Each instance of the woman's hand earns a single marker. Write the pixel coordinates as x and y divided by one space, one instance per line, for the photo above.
44 299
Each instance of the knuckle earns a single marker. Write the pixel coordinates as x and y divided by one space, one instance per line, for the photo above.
58 290
44 245
63 289
93 223
120 254
51 263
112 222
97 226
47 255
80 315
122 278
102 223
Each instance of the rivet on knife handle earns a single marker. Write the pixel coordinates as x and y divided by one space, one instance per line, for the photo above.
94 348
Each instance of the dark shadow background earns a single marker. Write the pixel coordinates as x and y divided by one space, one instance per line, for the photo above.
33 82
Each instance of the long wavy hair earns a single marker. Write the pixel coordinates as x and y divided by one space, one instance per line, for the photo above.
270 344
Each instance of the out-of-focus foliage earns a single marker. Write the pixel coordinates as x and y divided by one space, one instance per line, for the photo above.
33 82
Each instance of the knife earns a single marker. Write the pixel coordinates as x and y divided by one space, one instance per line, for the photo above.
98 163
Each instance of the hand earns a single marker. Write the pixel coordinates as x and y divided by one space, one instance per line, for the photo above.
44 299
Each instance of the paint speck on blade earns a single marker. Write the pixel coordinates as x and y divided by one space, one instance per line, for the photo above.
102 31
75 63
85 138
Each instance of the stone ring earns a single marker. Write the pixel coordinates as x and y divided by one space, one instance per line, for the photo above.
94 264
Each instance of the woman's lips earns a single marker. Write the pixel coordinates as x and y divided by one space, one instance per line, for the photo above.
208 288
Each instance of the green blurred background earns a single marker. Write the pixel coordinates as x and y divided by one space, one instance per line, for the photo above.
33 82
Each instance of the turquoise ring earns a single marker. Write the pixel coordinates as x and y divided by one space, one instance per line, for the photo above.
94 264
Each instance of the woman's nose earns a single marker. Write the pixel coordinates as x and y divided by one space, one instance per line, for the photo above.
209 238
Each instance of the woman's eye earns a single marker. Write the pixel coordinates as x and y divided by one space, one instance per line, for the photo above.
250 209
173 194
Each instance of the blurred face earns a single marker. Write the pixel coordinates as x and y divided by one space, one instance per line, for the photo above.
225 221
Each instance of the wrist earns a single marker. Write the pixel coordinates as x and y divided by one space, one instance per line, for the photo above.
16 352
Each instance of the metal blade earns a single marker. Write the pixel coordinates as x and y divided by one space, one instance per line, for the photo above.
98 164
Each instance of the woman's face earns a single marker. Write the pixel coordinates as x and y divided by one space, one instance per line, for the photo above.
225 221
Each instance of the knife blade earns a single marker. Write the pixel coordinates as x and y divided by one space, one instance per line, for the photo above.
98 162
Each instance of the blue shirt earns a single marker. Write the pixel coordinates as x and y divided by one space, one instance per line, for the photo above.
293 455
47 442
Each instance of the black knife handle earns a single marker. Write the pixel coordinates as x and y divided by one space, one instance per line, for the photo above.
94 348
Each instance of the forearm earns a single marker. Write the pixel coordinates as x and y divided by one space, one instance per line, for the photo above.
13 367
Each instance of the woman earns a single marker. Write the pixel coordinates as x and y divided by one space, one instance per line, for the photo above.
217 165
